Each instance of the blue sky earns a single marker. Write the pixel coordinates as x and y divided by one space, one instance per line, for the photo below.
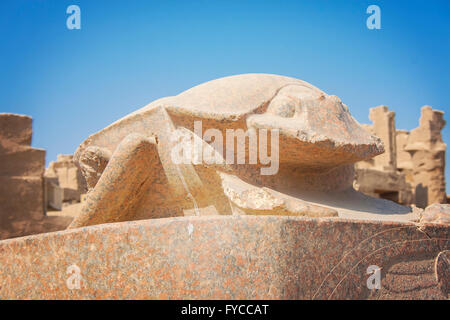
128 53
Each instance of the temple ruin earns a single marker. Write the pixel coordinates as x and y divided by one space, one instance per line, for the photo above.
22 195
64 182
412 169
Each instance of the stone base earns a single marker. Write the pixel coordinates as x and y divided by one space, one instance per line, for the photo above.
227 257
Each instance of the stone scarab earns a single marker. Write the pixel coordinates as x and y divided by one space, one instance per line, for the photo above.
131 174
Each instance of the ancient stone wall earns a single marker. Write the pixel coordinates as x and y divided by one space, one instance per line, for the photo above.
21 176
428 158
385 130
22 204
412 170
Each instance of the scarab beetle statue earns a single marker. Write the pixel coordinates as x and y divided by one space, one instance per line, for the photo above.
131 172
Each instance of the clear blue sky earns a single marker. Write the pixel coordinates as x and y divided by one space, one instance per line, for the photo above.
128 53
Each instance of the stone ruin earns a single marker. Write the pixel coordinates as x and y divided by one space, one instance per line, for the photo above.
155 228
22 195
64 182
412 169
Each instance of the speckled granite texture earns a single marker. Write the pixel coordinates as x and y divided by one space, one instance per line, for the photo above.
229 257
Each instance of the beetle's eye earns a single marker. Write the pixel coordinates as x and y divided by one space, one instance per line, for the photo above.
282 106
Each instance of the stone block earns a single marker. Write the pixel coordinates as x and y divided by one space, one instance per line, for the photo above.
24 161
21 199
16 129
227 257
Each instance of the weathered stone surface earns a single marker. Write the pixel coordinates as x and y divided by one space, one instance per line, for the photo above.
384 127
21 198
428 158
92 163
318 143
131 168
411 278
15 129
22 161
253 200
226 257
21 183
22 207
442 271
404 162
436 213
